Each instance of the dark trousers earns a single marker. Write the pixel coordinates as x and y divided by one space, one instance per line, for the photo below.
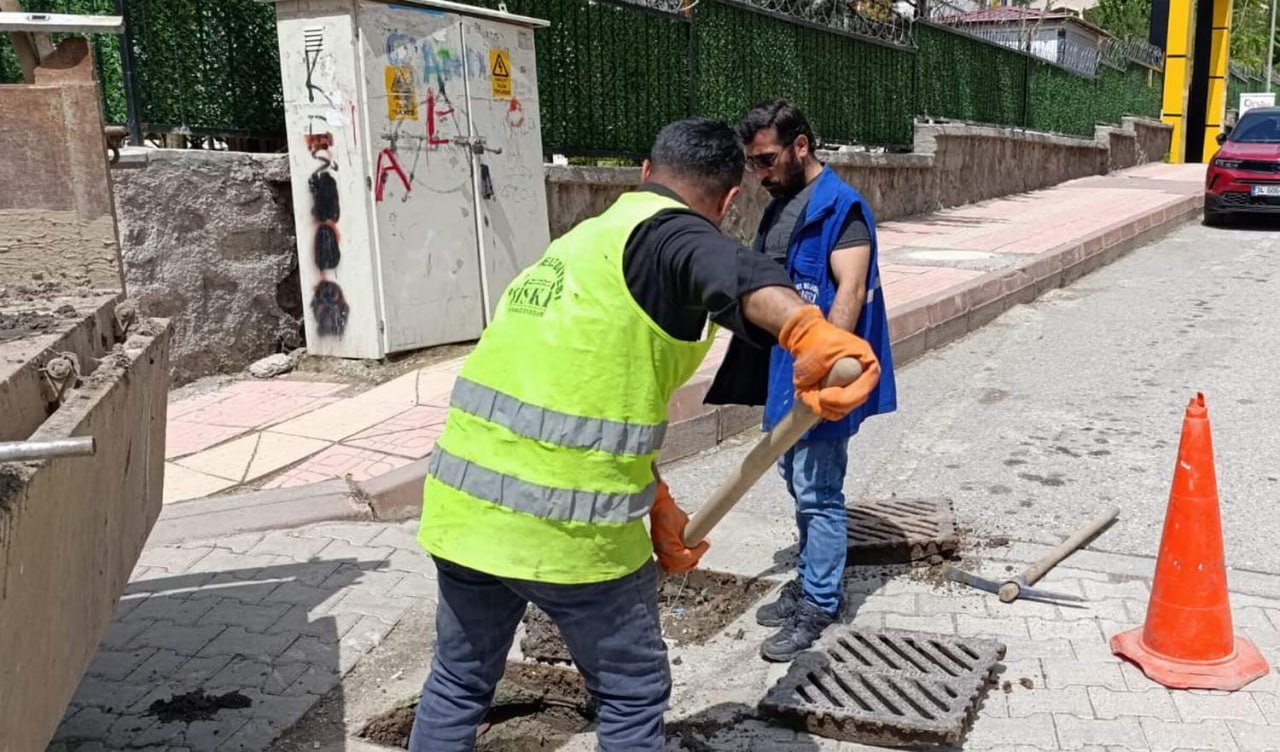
612 630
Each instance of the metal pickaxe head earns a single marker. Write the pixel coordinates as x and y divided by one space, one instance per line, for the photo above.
1009 590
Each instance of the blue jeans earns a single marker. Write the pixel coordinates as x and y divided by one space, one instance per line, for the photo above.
611 628
814 472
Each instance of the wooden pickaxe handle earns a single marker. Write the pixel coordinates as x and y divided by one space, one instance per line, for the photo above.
763 455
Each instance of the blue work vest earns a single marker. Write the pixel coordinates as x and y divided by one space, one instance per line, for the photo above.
808 264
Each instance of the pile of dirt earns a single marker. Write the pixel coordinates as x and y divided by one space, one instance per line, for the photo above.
196 706
694 607
536 708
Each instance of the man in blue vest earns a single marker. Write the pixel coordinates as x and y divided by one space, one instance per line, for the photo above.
821 230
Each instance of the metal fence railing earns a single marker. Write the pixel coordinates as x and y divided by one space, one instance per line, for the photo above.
612 72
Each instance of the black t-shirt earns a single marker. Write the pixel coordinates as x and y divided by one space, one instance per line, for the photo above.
785 214
679 266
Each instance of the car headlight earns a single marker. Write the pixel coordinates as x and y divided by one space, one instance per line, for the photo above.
1228 164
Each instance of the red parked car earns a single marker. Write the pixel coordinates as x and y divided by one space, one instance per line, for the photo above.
1244 176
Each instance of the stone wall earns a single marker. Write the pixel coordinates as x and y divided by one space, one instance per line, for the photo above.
217 254
208 243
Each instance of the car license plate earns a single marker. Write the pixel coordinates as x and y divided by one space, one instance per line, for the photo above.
1266 190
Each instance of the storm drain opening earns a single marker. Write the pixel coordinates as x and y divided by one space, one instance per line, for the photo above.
694 607
535 708
899 531
886 687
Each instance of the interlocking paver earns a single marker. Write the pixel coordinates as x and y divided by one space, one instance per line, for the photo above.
115 665
1269 704
1132 589
1008 627
173 559
1153 703
161 665
238 641
182 611
121 633
413 586
357 534
242 673
1163 736
385 608
284 543
1053 649
1197 706
1060 673
1251 737
939 623
991 730
88 723
1077 733
1028 702
180 639
254 617
929 603
1068 630
299 621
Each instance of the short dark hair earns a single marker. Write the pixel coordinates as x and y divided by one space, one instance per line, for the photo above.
778 113
701 150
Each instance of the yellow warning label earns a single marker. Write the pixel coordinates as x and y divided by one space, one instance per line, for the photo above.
401 104
500 73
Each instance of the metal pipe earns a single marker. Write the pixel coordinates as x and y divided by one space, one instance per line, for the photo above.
23 451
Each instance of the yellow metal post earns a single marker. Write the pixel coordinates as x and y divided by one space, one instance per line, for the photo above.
1177 74
1216 104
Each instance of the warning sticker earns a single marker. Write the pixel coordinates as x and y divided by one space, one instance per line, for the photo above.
401 104
500 73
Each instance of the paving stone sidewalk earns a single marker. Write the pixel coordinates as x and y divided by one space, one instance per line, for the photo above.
281 617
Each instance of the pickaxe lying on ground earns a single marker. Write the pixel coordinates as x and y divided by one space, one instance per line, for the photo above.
1018 587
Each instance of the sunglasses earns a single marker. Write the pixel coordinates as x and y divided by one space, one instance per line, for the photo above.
763 161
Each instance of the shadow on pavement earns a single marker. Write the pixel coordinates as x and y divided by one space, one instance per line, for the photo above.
217 660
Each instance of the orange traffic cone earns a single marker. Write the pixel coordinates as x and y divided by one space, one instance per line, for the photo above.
1187 641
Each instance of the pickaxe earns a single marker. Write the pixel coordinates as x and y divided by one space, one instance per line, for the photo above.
1018 587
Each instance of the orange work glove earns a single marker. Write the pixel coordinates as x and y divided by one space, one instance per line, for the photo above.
666 529
817 345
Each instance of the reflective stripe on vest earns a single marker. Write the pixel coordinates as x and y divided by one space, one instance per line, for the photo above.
561 504
552 426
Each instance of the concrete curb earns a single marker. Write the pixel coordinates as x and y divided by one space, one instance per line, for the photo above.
917 327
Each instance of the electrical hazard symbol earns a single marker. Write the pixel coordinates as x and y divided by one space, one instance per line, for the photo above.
500 73
401 104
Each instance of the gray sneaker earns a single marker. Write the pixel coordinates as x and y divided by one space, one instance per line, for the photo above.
798 634
776 614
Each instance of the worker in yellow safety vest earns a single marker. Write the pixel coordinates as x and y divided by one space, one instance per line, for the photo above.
538 488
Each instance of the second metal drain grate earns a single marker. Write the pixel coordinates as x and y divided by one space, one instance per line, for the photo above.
886 687
892 531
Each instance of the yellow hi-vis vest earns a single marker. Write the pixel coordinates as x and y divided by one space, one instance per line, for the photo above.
544 470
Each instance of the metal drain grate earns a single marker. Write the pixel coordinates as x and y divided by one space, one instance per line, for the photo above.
895 531
886 687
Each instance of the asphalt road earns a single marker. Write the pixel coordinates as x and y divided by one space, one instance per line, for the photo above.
1042 418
